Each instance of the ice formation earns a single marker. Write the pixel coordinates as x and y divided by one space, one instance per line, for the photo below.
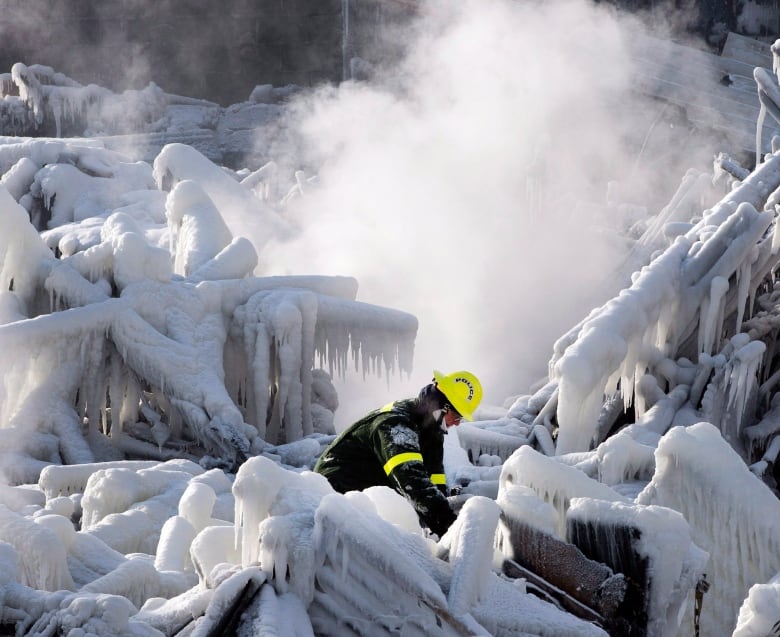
162 404
147 375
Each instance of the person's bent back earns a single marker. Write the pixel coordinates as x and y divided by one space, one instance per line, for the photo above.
401 446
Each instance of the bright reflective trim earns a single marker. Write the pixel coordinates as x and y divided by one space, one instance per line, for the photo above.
401 458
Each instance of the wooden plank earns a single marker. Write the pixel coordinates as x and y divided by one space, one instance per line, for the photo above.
512 569
563 566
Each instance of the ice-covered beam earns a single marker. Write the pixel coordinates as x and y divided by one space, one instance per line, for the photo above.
662 307
377 336
634 322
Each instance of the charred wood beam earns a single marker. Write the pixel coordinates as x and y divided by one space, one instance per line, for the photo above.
563 566
552 593
614 546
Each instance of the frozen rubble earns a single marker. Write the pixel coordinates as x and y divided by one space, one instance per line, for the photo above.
150 490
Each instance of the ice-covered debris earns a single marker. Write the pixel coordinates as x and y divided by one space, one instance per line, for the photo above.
23 255
393 507
42 558
554 482
371 575
661 541
244 213
142 499
469 545
759 614
741 536
197 230
213 546
18 179
463 474
521 502
62 105
622 458
612 344
58 480
225 597
683 293
493 438
93 614
508 610
261 483
70 194
19 498
173 549
164 391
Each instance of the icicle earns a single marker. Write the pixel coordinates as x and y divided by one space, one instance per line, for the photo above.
743 288
743 377
711 327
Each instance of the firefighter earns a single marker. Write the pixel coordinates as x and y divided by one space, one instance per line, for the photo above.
401 446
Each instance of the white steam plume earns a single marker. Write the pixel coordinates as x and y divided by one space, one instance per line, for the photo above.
468 186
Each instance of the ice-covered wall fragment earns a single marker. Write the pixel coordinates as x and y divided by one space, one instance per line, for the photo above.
700 475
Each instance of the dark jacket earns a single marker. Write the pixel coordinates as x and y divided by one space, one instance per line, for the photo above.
400 446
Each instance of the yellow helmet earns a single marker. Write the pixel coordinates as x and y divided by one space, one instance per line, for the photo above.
462 389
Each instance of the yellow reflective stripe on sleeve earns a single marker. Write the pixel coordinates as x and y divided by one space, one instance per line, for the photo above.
386 408
438 478
401 458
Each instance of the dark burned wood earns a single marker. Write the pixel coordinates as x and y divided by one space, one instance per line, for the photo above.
615 546
228 623
565 567
552 593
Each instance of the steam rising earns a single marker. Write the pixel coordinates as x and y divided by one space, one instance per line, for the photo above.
468 185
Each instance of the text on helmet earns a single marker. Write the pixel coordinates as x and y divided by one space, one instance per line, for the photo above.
468 384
